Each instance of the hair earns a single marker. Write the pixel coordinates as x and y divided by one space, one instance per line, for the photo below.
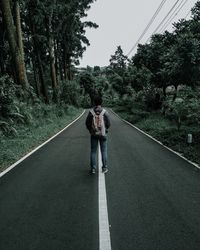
97 100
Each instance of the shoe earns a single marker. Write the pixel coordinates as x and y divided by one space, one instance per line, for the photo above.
104 170
93 171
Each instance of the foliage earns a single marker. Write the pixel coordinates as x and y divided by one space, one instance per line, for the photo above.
7 96
85 101
117 83
70 93
53 42
151 97
182 60
87 82
10 112
15 112
28 137
118 61
117 72
185 109
141 77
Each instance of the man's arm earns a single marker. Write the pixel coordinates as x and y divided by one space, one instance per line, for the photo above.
107 120
88 121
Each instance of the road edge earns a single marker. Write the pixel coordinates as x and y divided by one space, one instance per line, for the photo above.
38 147
141 131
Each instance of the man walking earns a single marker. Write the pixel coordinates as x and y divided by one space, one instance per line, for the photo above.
98 122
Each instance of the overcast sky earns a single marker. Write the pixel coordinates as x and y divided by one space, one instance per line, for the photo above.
122 23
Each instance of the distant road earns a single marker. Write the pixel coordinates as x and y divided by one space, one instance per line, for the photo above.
49 201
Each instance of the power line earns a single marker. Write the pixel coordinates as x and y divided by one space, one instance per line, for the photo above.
187 14
173 15
148 25
158 27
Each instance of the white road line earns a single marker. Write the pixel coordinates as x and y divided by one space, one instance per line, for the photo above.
104 232
26 156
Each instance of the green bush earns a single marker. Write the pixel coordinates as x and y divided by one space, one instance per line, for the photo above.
85 101
14 112
70 93
185 108
7 96
151 97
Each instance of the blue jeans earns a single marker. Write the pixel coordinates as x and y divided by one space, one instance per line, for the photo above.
103 146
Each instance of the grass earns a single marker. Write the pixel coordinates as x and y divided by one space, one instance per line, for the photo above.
29 137
164 130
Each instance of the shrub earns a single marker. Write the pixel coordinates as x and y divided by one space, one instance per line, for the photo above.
185 109
70 93
85 101
7 96
7 129
151 97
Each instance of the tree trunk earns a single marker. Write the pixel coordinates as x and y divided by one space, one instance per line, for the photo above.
164 91
56 58
69 75
59 61
175 93
2 54
43 84
52 64
18 27
51 52
20 72
179 123
43 87
64 68
36 78
2 65
61 69
19 37
41 76
67 65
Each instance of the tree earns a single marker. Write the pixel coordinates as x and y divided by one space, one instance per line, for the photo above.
153 57
118 61
55 38
182 61
37 51
87 82
139 78
185 109
14 35
4 49
117 71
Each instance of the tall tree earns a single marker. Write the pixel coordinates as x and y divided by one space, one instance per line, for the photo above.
87 82
118 69
33 22
152 57
50 38
15 41
118 61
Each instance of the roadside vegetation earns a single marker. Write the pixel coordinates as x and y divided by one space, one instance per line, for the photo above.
159 87
41 43
42 88
24 138
164 129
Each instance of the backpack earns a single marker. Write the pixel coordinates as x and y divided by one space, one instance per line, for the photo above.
98 124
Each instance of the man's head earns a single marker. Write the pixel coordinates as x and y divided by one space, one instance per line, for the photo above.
97 100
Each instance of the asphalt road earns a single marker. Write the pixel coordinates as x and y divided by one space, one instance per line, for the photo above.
49 201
